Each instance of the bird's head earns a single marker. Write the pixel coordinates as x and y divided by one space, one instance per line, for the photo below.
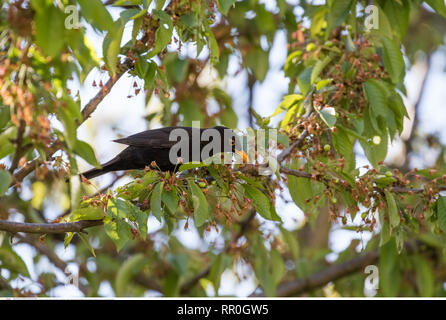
232 142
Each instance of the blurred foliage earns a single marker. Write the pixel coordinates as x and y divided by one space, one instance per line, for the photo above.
346 89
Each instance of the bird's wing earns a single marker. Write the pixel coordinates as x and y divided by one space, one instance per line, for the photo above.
156 138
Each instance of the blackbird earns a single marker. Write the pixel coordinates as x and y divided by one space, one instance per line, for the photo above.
155 145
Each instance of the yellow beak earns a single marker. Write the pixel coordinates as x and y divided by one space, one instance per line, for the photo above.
243 155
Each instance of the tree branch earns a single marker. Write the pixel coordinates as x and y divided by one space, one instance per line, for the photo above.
89 108
325 276
43 228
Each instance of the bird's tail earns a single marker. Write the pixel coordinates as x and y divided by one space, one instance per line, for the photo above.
106 167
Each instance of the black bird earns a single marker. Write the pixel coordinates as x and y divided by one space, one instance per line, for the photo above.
155 145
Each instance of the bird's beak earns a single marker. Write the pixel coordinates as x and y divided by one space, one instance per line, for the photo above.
243 155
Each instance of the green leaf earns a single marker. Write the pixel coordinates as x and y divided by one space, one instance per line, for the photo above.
191 165
67 239
96 14
385 229
375 152
6 147
115 226
228 117
277 266
87 243
111 45
393 59
50 30
328 115
287 102
424 276
399 11
392 210
376 99
163 34
441 213
10 260
225 5
218 266
344 146
302 189
438 6
257 61
4 116
155 200
337 13
131 267
84 52
304 81
170 199
140 217
389 273
200 204
261 202
5 181
88 213
132 14
213 46
85 151
69 126
319 66
318 21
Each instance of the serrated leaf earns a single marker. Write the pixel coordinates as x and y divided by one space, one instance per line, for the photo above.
319 66
115 226
5 181
389 274
10 260
191 165
393 59
88 213
424 276
87 243
344 146
50 30
337 13
261 203
111 46
200 204
218 266
328 115
95 13
392 210
86 152
438 5
170 199
155 200
225 5
441 213
163 34
140 217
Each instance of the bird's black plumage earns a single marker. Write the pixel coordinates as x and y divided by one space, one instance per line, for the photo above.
155 145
